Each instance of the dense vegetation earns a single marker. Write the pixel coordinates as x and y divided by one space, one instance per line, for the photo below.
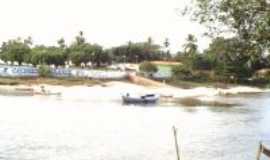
240 32
148 68
236 57
79 52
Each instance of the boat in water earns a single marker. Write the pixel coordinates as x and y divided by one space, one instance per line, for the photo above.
144 99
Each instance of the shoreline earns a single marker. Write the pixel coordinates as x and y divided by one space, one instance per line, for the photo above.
10 81
215 88
107 91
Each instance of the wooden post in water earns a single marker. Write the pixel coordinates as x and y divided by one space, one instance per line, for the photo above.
259 152
176 143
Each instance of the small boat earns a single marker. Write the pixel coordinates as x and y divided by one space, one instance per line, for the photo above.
48 93
145 99
45 92
22 92
24 89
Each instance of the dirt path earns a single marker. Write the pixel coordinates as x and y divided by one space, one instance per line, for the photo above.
144 81
166 63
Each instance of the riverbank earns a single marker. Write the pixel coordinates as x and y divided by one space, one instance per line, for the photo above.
49 81
111 91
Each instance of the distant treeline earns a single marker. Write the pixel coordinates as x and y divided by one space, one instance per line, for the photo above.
80 51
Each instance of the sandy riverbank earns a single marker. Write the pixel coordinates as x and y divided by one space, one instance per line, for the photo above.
112 91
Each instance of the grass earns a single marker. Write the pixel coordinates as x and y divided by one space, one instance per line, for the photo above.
50 81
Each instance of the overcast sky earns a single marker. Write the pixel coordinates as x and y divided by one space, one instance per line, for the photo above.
107 22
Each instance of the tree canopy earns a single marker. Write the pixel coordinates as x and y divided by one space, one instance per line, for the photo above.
248 20
15 50
240 32
79 51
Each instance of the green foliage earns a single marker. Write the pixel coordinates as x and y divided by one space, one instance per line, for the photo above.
80 51
15 50
47 55
83 52
198 62
190 47
148 68
44 71
182 73
86 52
138 52
61 43
230 59
248 20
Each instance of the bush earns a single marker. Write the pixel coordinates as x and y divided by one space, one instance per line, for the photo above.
148 68
202 62
181 72
44 71
184 73
201 76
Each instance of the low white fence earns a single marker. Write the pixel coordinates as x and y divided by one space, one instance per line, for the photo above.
25 71
98 74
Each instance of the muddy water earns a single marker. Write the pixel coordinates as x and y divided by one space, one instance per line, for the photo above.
50 128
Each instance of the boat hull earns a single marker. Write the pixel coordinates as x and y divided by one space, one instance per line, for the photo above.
140 100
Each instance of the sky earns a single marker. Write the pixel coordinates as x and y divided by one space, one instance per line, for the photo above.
106 22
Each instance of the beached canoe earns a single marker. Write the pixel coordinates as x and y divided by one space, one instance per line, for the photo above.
45 92
21 92
145 99
48 93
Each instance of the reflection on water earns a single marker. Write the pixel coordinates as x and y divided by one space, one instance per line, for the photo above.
51 128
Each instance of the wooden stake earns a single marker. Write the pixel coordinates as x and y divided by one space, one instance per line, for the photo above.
176 143
259 152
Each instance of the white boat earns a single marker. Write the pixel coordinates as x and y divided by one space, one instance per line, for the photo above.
144 99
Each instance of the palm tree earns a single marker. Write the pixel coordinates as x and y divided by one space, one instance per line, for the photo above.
190 47
166 45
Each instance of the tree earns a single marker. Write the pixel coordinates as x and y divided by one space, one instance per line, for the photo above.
28 41
149 41
80 51
190 47
228 58
166 45
248 20
181 73
148 68
44 71
47 55
16 50
99 56
78 57
79 39
61 43
137 52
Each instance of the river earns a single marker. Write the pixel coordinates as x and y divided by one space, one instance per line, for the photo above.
50 128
